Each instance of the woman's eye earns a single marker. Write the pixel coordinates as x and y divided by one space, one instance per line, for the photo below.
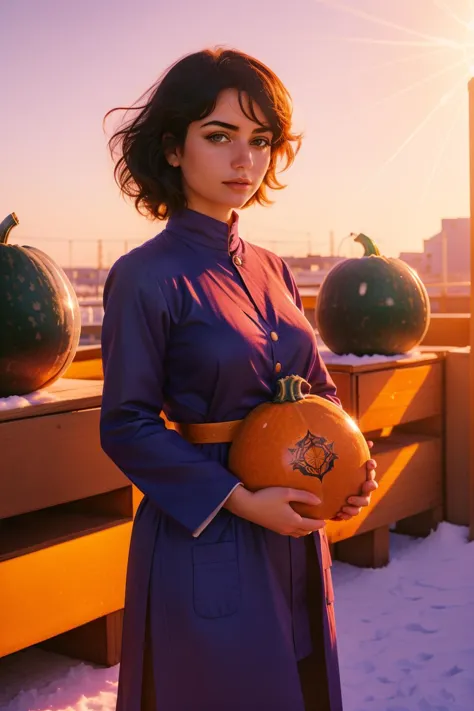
265 143
215 136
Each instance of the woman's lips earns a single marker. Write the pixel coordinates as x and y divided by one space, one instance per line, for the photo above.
238 186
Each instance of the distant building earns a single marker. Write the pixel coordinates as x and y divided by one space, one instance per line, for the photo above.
429 263
312 263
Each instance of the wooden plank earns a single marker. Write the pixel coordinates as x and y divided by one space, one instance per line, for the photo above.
344 385
69 395
421 524
86 369
367 550
458 428
448 330
33 531
410 478
88 353
137 496
51 460
394 396
62 587
97 642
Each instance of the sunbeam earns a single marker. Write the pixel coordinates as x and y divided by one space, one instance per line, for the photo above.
442 102
461 108
398 60
449 12
439 41
410 87
442 44
431 44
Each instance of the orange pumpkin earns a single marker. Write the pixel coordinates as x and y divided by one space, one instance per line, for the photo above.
302 441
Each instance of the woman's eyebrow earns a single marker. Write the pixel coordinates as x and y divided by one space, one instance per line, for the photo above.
231 127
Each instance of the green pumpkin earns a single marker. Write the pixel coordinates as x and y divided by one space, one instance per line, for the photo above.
372 305
40 324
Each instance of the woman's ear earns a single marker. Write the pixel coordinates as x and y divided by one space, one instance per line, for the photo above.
170 150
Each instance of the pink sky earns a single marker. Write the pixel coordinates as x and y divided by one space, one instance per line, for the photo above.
65 64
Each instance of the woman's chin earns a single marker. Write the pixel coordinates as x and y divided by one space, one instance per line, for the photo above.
238 201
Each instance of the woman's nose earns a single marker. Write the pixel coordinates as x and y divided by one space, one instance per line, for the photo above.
242 157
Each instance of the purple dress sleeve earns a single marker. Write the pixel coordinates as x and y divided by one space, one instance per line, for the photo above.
173 473
321 382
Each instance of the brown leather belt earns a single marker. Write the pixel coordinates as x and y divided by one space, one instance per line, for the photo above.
206 432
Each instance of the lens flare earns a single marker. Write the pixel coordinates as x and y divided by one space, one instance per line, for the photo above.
458 68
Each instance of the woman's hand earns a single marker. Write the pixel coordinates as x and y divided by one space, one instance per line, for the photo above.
270 508
357 502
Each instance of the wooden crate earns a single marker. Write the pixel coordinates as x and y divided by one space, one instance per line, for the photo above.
399 404
66 516
70 580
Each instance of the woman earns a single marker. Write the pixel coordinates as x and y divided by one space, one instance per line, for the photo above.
229 602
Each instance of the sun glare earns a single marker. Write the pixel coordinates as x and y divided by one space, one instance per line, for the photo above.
456 46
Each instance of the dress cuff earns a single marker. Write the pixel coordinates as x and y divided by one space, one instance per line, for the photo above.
208 520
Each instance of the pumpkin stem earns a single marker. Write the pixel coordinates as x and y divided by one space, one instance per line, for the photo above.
8 224
370 248
289 389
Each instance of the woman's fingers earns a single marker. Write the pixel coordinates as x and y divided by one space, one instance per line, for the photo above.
302 496
343 516
351 510
371 469
358 501
310 524
306 526
369 486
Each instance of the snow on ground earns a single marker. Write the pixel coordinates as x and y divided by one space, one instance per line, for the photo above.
406 632
406 639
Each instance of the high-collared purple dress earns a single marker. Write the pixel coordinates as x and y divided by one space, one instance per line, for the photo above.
200 324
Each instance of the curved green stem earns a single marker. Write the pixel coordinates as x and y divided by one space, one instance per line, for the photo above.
289 389
6 226
370 248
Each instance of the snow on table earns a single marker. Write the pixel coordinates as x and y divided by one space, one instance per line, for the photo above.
405 635
350 359
13 402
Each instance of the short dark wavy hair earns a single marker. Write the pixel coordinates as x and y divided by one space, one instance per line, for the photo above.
188 92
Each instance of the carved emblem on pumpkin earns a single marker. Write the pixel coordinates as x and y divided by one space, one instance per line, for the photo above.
313 456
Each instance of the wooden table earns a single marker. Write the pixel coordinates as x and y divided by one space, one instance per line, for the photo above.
66 511
65 520
399 404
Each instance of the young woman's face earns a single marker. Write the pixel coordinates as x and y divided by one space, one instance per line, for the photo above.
224 147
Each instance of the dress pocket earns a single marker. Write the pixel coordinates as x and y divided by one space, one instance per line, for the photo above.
216 584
